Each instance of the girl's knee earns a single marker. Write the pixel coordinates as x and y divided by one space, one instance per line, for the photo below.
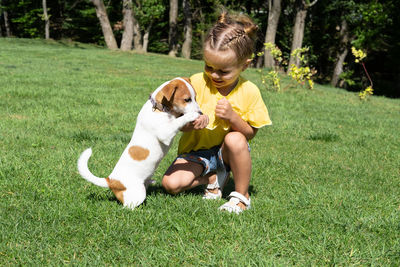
236 142
180 175
171 184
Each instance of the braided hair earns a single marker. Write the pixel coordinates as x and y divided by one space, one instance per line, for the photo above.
238 33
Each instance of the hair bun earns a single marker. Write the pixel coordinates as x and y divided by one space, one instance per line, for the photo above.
244 22
251 30
223 18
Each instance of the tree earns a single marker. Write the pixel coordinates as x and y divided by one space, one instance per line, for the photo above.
137 34
187 44
6 21
298 29
105 24
173 28
274 11
345 40
127 36
1 13
46 20
340 24
146 13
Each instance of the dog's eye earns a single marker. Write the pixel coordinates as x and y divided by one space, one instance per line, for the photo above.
188 100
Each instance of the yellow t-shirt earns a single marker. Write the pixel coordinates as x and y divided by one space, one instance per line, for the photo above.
245 100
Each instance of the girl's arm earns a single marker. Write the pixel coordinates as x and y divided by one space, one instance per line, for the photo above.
224 111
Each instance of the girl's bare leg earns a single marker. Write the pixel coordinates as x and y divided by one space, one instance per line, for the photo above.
183 175
236 154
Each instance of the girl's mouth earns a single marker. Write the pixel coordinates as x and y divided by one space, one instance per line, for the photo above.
217 82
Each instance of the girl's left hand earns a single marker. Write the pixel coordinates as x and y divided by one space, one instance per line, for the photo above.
224 109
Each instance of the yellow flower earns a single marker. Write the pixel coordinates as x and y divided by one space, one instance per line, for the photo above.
358 54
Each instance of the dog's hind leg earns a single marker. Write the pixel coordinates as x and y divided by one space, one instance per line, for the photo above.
134 196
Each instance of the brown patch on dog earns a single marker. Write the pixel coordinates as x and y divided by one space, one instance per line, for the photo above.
117 188
138 153
174 93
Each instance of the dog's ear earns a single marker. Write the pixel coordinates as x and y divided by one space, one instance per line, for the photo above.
166 95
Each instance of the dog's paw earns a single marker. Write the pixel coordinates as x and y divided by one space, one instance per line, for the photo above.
191 116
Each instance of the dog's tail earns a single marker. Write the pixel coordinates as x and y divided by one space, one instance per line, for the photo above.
85 172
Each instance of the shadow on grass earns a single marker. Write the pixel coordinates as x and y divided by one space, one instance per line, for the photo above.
199 190
98 197
324 137
158 189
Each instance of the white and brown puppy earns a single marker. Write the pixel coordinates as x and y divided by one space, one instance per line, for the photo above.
170 106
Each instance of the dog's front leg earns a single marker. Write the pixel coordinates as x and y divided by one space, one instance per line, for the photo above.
167 132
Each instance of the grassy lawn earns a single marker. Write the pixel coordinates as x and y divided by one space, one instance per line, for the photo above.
325 188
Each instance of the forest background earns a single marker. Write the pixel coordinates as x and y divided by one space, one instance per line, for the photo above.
328 28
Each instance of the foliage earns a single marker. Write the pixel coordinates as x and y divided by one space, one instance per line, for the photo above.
272 77
28 20
148 11
303 73
366 93
359 56
300 75
371 25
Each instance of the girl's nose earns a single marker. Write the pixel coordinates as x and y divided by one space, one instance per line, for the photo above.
214 75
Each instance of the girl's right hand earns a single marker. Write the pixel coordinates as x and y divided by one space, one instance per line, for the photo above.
201 122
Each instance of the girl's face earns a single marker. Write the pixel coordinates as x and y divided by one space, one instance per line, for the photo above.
223 68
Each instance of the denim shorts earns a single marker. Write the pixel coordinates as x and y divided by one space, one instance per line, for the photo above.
211 159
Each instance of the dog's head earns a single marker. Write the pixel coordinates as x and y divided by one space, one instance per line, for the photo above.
178 97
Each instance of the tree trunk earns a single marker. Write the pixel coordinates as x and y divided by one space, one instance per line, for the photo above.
259 63
298 30
7 24
127 36
173 28
298 35
187 44
137 35
339 66
344 41
46 20
146 37
274 11
1 28
105 24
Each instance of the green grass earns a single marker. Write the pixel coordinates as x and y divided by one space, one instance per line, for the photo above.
325 186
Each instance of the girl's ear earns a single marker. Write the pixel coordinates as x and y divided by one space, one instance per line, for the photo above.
246 64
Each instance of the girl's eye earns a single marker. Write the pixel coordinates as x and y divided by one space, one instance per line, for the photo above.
188 100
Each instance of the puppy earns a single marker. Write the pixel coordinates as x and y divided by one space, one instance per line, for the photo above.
170 107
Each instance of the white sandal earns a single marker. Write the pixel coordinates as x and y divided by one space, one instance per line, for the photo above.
210 195
221 180
232 204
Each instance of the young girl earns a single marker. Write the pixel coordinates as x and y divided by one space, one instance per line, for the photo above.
233 110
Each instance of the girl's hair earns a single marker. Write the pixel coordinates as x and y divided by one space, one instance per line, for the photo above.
233 32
